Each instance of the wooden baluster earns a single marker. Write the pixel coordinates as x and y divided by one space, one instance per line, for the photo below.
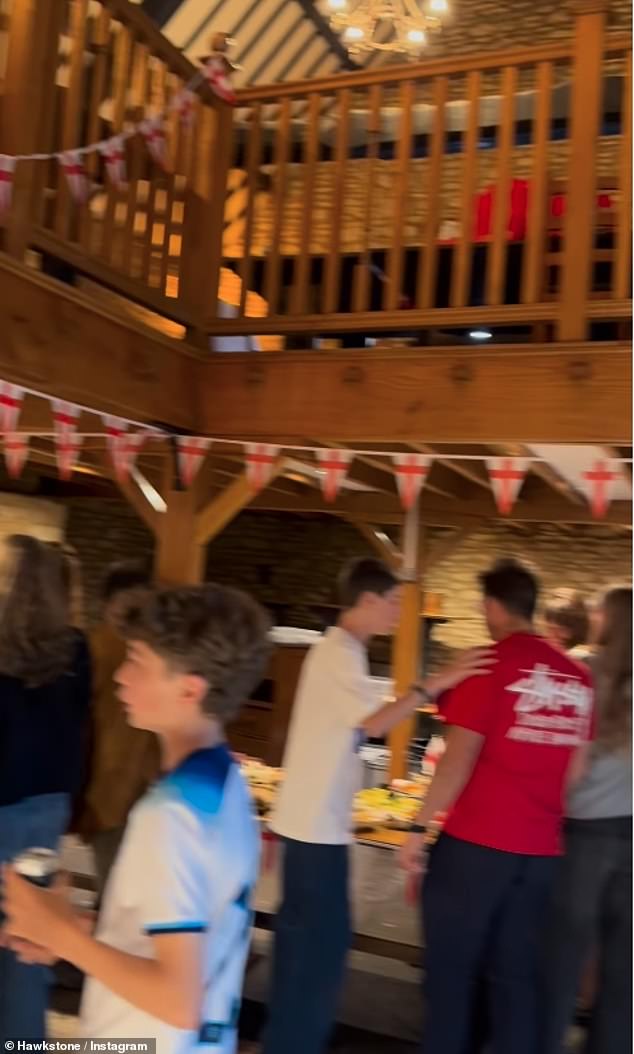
156 176
428 254
392 289
71 120
175 153
496 271
621 284
586 94
137 162
533 274
120 86
254 156
332 279
99 47
282 148
361 282
461 270
28 110
303 261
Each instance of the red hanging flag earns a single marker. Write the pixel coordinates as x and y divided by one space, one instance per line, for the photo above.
334 465
154 134
16 451
261 459
599 485
411 472
125 449
217 77
11 397
185 106
7 173
113 153
191 454
506 475
116 427
67 442
73 168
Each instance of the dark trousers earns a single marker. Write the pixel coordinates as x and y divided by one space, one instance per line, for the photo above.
312 937
592 911
483 916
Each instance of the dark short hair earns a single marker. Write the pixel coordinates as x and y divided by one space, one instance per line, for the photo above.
364 576
567 609
124 576
513 586
215 632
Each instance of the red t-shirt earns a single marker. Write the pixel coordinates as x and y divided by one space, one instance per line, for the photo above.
534 709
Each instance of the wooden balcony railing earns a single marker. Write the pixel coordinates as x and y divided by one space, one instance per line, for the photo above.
487 188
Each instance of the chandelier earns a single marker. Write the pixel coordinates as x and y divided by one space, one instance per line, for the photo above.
360 24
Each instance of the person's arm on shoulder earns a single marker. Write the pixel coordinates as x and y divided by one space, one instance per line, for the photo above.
475 662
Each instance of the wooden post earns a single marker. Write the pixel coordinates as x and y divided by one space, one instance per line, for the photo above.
406 652
586 95
29 93
180 558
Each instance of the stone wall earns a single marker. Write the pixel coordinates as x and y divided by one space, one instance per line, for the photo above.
22 515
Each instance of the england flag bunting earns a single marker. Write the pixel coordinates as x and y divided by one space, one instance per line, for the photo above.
217 77
599 485
185 106
411 472
154 134
7 173
11 398
191 454
125 449
113 153
260 463
334 465
16 452
507 475
67 442
116 428
72 165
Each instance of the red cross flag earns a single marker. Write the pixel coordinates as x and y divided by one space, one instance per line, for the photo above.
191 454
116 428
599 485
217 77
67 450
113 153
411 472
185 106
506 475
125 449
16 451
73 168
334 465
7 172
154 134
261 459
10 405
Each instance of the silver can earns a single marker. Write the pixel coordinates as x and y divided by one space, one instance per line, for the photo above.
37 865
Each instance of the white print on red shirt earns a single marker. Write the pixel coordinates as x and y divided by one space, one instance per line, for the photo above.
552 708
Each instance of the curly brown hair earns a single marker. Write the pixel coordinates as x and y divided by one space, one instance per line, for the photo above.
215 632
567 610
36 638
613 671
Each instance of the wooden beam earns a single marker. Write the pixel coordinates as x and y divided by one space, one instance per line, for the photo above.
129 490
574 393
211 520
377 540
406 652
539 468
58 340
470 470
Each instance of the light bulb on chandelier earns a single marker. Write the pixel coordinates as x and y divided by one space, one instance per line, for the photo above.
439 7
353 33
337 5
416 36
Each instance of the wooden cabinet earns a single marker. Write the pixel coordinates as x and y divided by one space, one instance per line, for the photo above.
262 725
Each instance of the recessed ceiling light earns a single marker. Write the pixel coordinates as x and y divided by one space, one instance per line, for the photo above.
480 334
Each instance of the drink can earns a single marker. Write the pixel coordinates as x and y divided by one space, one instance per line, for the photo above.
37 865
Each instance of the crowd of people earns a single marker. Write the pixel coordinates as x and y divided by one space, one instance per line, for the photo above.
522 849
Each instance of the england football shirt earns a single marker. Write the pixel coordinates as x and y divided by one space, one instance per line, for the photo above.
187 864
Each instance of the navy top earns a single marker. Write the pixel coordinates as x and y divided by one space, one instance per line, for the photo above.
43 732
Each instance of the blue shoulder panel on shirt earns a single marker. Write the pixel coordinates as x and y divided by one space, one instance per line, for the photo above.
200 780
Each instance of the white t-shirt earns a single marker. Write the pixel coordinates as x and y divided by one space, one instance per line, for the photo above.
334 698
188 863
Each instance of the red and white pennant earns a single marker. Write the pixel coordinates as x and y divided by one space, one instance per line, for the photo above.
411 473
72 165
16 452
7 174
191 454
334 465
599 485
260 460
153 132
11 398
217 77
184 104
507 475
113 153
67 442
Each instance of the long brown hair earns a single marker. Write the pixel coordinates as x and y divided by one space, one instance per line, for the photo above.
36 639
613 671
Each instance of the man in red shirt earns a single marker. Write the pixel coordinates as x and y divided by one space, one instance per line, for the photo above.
516 738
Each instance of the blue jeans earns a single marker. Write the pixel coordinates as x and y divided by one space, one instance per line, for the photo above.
39 821
484 914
